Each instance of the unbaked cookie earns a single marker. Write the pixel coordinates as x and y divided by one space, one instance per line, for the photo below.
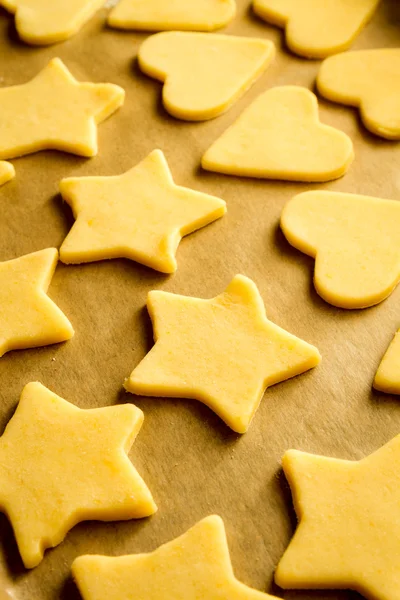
369 80
203 74
279 136
223 352
7 172
354 240
61 114
387 378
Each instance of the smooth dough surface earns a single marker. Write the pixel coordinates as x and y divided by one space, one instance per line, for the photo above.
194 566
141 215
60 465
203 74
45 22
161 15
315 28
28 318
62 114
369 80
349 523
387 378
354 240
279 136
7 172
223 352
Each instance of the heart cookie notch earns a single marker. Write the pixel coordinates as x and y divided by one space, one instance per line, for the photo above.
279 136
317 29
354 240
369 80
203 74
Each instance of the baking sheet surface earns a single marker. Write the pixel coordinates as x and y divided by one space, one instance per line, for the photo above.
191 461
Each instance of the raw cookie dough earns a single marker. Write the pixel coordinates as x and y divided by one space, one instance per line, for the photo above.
204 74
45 22
349 523
28 318
223 352
141 215
61 114
317 28
194 566
279 136
354 240
60 465
369 80
387 378
7 172
160 15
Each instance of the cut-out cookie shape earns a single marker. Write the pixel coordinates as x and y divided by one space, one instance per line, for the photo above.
159 15
141 215
369 80
45 22
317 29
349 523
354 240
223 352
203 74
60 465
28 318
279 136
62 114
7 172
194 566
387 378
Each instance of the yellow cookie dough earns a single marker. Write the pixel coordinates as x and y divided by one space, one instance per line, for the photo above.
223 352
61 114
7 172
355 243
60 465
28 318
387 378
317 28
369 80
49 21
279 136
204 74
349 523
160 15
141 215
194 566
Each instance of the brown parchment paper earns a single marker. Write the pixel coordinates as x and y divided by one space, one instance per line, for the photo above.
192 462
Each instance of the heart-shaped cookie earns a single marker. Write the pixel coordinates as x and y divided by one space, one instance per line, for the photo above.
354 240
203 74
41 22
370 80
279 136
162 15
317 28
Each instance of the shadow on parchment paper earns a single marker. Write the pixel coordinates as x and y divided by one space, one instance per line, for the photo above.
9 549
390 9
69 591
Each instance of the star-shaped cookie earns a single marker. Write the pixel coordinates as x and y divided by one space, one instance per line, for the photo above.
315 29
41 22
279 136
62 114
141 215
203 74
194 566
7 172
159 15
60 465
28 318
387 378
223 352
349 523
351 78
354 240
